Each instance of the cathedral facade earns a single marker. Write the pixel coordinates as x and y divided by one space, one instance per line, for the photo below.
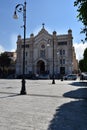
45 52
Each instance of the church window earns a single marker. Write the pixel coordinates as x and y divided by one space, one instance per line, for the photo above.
62 43
42 53
60 52
43 46
63 61
63 52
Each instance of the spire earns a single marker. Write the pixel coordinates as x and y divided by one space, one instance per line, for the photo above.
43 25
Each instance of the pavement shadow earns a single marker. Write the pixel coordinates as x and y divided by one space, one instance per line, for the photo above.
8 94
80 93
79 84
70 116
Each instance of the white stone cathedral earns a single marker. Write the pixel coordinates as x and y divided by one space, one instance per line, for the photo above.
39 52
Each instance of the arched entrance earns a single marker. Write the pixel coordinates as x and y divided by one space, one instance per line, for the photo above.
40 67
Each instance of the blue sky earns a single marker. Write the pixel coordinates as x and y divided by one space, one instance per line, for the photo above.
58 15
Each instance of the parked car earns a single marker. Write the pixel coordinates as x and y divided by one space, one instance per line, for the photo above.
83 76
27 76
70 77
44 76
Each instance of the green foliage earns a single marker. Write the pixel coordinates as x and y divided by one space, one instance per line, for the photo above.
82 14
85 54
81 65
4 60
83 62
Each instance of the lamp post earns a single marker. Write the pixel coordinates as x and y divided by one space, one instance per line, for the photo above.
61 74
61 65
21 8
53 80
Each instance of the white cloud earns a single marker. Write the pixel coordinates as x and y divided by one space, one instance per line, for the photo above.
1 49
79 49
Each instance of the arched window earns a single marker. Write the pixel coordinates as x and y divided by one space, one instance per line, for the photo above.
42 51
62 52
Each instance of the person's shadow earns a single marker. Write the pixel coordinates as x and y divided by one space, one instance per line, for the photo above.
71 115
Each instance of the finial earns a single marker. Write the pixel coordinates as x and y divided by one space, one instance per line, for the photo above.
25 2
43 25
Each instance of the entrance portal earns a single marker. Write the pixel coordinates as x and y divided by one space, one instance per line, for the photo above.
62 70
40 67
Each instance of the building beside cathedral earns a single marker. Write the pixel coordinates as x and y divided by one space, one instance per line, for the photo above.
39 54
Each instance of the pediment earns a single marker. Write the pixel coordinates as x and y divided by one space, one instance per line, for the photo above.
43 31
43 35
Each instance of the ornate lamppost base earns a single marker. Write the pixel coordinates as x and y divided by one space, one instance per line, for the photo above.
61 78
23 91
53 82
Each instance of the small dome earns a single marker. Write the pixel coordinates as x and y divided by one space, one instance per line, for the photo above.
70 31
19 37
32 35
54 32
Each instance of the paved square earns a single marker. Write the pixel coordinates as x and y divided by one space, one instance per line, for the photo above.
47 106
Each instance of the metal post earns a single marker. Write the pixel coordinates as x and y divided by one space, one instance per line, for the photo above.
53 81
23 89
61 65
22 8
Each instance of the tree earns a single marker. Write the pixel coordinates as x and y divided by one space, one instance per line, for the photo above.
82 14
83 62
5 61
85 54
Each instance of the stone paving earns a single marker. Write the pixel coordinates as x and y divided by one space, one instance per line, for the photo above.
47 106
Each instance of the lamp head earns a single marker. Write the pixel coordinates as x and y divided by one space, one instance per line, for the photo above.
15 15
49 41
58 53
48 44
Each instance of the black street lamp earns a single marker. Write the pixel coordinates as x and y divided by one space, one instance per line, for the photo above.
61 70
53 76
53 80
21 8
61 65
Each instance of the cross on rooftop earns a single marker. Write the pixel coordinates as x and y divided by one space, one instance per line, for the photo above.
43 25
